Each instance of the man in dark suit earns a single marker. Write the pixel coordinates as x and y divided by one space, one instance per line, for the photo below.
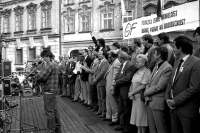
122 84
182 94
71 77
84 79
155 92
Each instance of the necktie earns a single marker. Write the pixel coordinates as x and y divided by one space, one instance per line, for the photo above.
122 68
156 70
178 68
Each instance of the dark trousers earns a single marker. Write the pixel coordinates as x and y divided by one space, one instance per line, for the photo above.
157 120
94 95
71 89
64 86
51 112
60 84
124 111
180 124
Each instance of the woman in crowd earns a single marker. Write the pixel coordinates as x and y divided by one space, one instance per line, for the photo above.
139 82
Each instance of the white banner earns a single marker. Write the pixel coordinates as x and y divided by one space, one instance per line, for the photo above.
177 18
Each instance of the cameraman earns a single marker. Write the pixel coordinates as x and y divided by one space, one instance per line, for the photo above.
49 77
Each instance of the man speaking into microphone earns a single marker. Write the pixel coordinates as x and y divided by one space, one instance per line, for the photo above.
49 77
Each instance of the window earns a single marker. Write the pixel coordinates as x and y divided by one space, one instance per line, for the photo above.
85 23
69 21
85 19
6 20
107 16
31 10
19 10
19 56
31 21
46 13
107 20
32 54
18 23
6 24
46 19
69 25
128 16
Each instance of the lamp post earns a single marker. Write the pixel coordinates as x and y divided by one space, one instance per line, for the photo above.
60 27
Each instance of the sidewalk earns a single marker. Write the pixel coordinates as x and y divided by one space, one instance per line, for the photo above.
75 118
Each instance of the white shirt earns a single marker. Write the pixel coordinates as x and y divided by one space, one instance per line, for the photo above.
77 67
123 66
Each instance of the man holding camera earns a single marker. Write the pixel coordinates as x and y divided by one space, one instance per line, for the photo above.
49 77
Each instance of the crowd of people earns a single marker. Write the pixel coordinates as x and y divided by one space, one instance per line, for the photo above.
154 87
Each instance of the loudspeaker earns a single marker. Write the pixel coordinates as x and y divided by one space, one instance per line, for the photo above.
6 68
7 87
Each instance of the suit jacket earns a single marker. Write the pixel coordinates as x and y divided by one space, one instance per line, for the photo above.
93 68
70 68
112 73
123 79
157 86
85 75
101 71
171 55
186 87
151 61
63 68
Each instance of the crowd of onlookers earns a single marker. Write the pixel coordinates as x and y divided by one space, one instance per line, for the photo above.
154 87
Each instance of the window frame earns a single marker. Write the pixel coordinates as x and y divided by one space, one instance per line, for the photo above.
87 22
31 20
67 23
7 23
102 20
16 56
128 16
18 23
34 56
47 18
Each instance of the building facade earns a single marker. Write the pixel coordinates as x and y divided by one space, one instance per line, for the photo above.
82 19
28 27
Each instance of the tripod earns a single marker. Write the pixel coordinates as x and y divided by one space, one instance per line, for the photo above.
21 128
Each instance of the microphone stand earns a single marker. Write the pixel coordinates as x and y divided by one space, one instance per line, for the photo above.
22 129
